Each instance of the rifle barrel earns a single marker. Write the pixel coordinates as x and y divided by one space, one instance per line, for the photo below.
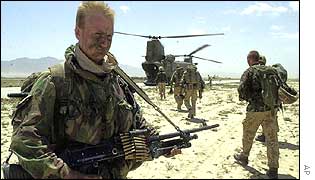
171 135
17 95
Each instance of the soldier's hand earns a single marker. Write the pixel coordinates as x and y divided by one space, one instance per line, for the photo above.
173 152
77 175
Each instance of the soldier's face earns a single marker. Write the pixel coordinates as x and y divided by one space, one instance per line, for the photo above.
95 36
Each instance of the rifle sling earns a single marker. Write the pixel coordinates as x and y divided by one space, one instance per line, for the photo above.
145 97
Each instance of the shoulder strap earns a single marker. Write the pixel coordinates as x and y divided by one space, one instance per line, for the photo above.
61 81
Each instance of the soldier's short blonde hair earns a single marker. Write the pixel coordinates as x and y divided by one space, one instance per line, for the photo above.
87 7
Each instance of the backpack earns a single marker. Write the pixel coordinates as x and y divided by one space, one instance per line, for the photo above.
270 84
29 82
62 93
61 82
282 73
287 94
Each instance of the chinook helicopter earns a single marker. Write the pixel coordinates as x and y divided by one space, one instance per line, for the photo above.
155 57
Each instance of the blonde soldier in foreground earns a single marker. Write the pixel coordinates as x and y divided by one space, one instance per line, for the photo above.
191 83
82 102
176 78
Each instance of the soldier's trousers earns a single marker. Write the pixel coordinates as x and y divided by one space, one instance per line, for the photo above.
162 89
191 95
276 125
178 98
269 124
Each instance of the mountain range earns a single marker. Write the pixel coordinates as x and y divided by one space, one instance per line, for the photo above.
23 67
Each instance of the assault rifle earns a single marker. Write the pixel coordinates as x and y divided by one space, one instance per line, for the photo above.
132 145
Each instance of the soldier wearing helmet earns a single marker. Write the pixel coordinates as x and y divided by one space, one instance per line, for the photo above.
192 82
176 78
262 60
161 81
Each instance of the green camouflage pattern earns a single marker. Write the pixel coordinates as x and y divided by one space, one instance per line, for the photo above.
161 77
262 60
29 82
191 82
270 83
250 91
97 110
192 77
176 77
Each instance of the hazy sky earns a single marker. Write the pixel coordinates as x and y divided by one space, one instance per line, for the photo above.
41 29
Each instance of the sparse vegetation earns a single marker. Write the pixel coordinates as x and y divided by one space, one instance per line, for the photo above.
11 82
169 166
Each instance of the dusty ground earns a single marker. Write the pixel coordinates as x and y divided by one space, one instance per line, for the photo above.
211 155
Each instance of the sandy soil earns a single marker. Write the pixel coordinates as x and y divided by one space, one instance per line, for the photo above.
211 155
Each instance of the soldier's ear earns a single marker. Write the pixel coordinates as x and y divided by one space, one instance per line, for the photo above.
77 32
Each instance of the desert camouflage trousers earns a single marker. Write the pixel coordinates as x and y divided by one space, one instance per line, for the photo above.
178 98
191 95
161 87
276 125
270 128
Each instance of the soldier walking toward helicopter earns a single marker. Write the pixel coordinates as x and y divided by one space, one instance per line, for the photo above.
176 78
161 81
192 82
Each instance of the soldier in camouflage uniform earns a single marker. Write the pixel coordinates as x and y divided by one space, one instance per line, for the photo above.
262 137
257 114
94 105
161 81
210 81
191 83
176 78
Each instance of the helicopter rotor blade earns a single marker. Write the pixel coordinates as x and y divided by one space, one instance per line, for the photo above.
160 37
184 55
206 59
198 49
196 35
133 34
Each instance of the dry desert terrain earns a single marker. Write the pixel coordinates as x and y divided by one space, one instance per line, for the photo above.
211 155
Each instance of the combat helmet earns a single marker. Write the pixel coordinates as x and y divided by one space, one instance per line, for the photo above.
262 60
286 97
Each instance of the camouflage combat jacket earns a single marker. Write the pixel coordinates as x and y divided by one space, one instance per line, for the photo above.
192 80
161 77
250 91
176 78
97 109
